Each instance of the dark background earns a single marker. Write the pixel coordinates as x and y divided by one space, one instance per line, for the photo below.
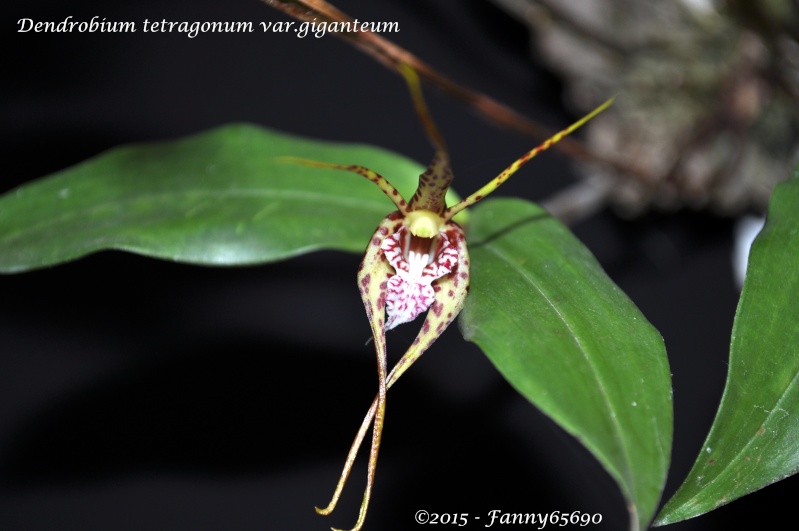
137 394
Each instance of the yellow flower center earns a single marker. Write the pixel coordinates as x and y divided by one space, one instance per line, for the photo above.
424 223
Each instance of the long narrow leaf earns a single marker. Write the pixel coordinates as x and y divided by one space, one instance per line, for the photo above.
754 440
565 336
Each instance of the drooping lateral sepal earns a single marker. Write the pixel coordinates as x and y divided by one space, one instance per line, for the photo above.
373 275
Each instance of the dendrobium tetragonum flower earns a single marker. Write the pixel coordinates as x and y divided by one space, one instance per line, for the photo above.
416 261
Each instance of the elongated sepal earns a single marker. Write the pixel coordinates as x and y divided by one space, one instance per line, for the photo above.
436 180
373 275
433 185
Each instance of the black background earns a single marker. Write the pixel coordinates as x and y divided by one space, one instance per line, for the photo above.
138 394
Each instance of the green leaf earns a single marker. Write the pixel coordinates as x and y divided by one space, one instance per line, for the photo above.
754 440
567 338
219 198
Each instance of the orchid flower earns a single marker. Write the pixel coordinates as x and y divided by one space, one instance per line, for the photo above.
416 261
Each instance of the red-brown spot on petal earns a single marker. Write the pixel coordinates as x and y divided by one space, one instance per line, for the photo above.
366 280
426 327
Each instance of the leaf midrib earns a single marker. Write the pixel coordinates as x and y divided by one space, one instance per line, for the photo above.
516 267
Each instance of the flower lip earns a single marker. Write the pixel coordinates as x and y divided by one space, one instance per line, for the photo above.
417 262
